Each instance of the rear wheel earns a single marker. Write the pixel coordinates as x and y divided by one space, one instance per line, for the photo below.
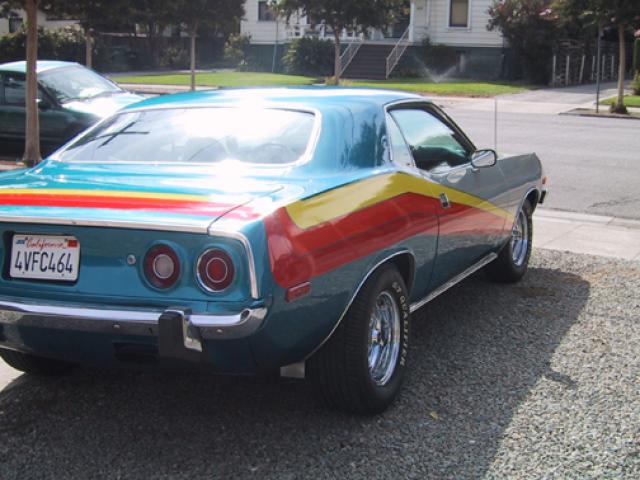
361 367
513 260
34 364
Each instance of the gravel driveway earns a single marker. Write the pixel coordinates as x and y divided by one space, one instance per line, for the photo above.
535 380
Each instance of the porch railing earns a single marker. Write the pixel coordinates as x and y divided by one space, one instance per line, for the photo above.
349 54
398 50
321 31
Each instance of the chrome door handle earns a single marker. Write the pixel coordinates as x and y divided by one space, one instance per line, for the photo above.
444 200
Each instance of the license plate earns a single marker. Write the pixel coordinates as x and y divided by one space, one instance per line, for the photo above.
45 257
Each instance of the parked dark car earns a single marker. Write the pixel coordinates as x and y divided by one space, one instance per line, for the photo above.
71 98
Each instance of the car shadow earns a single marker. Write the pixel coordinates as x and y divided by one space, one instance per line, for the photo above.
477 351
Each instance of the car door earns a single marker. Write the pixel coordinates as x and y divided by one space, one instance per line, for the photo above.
3 114
471 225
52 120
427 243
12 118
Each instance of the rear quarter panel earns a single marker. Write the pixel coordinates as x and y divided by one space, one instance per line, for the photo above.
522 173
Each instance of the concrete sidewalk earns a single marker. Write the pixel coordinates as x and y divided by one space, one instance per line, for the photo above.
551 101
587 234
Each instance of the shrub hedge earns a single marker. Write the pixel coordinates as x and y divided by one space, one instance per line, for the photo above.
310 56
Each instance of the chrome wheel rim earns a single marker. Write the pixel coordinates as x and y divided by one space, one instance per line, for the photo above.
384 338
520 239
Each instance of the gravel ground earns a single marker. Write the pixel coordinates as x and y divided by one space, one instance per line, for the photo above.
535 380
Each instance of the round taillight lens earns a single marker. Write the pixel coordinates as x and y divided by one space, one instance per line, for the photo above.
161 266
215 270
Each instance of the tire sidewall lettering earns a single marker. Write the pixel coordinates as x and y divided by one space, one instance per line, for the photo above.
405 311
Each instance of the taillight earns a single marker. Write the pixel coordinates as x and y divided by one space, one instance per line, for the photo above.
215 270
161 266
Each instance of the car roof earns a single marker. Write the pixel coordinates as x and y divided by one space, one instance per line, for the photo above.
316 97
42 66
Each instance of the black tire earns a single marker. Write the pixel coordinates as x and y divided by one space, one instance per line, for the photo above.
35 365
505 269
340 369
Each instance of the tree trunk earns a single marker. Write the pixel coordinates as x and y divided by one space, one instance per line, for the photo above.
32 137
88 48
338 60
193 59
620 108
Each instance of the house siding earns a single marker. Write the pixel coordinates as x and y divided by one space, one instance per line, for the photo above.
476 35
261 32
42 22
431 18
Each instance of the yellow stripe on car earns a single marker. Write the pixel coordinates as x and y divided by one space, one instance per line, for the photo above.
365 193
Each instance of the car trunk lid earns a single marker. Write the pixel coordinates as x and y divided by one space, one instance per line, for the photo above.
129 196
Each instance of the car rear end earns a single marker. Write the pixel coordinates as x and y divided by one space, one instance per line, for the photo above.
92 294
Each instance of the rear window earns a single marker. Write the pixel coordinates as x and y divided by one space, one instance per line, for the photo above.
197 135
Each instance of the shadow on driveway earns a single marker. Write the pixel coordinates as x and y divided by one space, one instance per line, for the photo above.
476 353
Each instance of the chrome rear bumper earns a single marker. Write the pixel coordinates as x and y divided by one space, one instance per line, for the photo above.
141 322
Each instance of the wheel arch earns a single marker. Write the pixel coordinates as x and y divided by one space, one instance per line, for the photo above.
533 196
403 260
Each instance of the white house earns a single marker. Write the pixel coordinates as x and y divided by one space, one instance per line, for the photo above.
461 24
18 17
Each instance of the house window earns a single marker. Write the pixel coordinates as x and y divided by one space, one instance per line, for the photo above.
459 13
265 12
15 22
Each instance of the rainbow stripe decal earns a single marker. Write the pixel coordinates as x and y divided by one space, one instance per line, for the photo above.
314 236
197 205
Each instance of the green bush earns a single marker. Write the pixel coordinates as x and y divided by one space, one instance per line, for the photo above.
236 49
62 44
174 58
636 56
310 56
531 32
635 85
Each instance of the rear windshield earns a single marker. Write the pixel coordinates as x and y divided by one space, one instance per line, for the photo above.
197 135
77 83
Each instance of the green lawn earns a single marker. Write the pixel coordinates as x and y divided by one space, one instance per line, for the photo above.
466 88
629 101
220 79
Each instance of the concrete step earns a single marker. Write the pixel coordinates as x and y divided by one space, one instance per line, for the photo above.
369 63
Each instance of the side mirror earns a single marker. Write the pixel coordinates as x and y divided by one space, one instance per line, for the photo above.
484 158
43 104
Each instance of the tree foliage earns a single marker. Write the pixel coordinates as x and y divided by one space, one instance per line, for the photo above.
92 16
214 17
341 14
309 56
531 30
623 15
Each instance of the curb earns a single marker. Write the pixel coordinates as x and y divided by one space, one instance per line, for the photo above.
586 218
583 112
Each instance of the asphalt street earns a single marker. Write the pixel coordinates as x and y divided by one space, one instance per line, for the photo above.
533 380
593 163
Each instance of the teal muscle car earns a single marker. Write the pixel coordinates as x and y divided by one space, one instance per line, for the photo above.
71 98
249 231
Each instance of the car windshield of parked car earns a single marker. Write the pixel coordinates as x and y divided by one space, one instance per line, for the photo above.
76 83
197 135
